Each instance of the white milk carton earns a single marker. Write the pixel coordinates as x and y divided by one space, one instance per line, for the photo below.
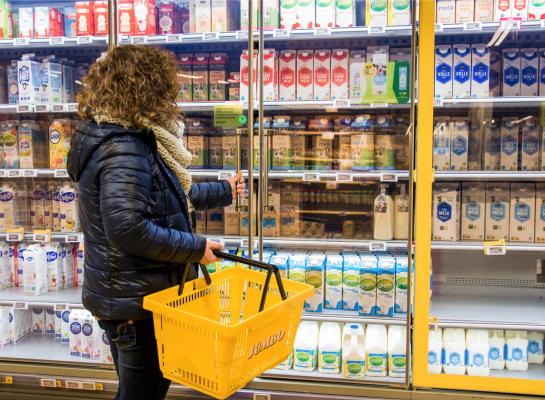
542 71
58 324
465 11
446 212
286 75
97 338
540 213
67 259
105 352
443 71
38 320
314 275
345 13
399 12
497 211
386 286
495 73
305 73
441 144
65 326
325 13
535 347
74 335
461 86
339 74
480 71
376 13
492 146
523 207
368 285
520 9
54 267
503 9
270 75
473 210
34 271
80 265
536 10
358 82
509 144
18 320
351 282
496 353
334 282
5 267
288 14
401 280
69 209
41 22
5 337
50 321
446 11
459 142
26 22
529 72
322 74
529 154
88 336
245 76
297 268
306 13
379 56
51 79
29 80
484 10
511 72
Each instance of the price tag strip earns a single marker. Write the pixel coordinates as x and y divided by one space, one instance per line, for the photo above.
15 235
138 39
155 39
242 34
58 108
72 107
512 23
56 40
388 177
47 382
60 307
42 108
84 40
311 177
378 29
20 305
438 102
41 236
473 26
13 173
439 28
341 103
73 238
495 248
21 42
344 177
25 108
210 36
377 246
281 33
60 173
6 380
29 173
3 173
174 38
224 175
326 31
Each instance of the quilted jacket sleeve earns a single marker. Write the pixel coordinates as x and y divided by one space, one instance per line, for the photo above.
125 174
205 196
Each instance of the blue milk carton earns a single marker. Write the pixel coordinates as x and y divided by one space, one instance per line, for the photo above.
281 261
297 267
334 282
401 284
351 282
314 275
368 284
385 285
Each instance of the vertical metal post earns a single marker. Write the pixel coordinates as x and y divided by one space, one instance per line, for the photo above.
251 86
262 148
112 24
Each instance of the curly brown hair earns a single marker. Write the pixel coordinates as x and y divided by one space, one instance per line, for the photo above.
133 83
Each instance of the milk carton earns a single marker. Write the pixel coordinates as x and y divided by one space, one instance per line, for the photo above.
67 259
443 71
203 12
475 146
492 146
34 271
496 353
339 74
26 22
69 214
74 335
480 71
270 75
218 76
325 13
536 10
386 286
351 282
286 75
19 324
245 76
100 18
38 320
305 73
65 326
314 275
358 82
41 22
529 154
5 337
446 212
529 71
368 285
503 9
520 9
58 324
54 267
473 210
51 78
334 282
454 345
306 12
84 18
535 347
516 350
50 321
376 13
441 144
509 144
322 73
5 267
446 11
461 86
80 263
459 140
297 269
97 338
288 14
87 336
401 284
511 72
523 204
379 56
465 11
345 13
478 349
201 84
484 10
222 18
495 73
281 260
542 71
540 213
29 79
105 352
497 211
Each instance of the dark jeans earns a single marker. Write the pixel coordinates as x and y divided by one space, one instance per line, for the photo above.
134 351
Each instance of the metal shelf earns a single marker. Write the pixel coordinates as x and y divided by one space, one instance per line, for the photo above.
38 108
70 297
478 246
353 317
68 237
54 42
503 101
488 312
535 371
490 175
483 28
315 375
309 175
34 173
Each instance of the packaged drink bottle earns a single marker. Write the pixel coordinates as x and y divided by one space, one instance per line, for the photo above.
397 351
329 348
478 348
535 347
353 351
516 350
435 350
383 216
496 352
376 351
454 345
305 347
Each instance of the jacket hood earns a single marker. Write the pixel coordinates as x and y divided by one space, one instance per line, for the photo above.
87 138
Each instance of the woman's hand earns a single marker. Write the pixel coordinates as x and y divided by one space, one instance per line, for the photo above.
238 184
209 257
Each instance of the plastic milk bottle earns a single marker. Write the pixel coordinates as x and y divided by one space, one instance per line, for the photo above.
329 348
478 348
454 345
305 347
376 350
516 350
535 347
353 351
496 353
397 351
435 350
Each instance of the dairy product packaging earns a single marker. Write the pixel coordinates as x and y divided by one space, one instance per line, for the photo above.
218 76
358 83
441 144
305 347
69 213
535 347
54 267
503 9
288 14
520 9
523 205
5 337
529 72
480 71
201 77
271 14
446 212
516 350
345 13
223 15
5 267
386 267
443 71
41 22
376 13
497 211
286 75
185 72
51 79
29 79
334 282
540 213
67 259
26 22
19 323
492 146
65 326
465 11
353 351
322 73
244 75
85 21
435 350
376 350
399 12
100 18
379 56
529 151
462 70
69 21
509 144
58 324
446 11
459 142
87 336
329 348
541 71
473 210
49 321
475 146
270 75
74 334
306 13
38 320
126 19
104 349
484 10
34 271
203 11
305 73
401 284
536 10
351 282
511 72
12 83
495 73
325 13
314 275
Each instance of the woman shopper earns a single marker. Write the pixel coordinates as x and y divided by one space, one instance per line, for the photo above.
136 199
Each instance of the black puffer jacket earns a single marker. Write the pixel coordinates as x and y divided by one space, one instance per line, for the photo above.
134 217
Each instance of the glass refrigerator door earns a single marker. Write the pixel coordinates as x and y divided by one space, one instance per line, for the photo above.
481 324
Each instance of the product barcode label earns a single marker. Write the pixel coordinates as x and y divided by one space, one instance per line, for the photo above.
223 175
311 177
55 41
29 173
14 173
3 173
210 36
88 386
341 103
174 38
42 236
72 238
138 40
72 107
495 248
14 237
281 33
473 26
58 108
513 23
322 31
25 108
155 39
84 40
20 42
344 177
60 307
46 382
373 30
378 105
41 108
60 173
388 177
73 384
20 305
377 246
328 135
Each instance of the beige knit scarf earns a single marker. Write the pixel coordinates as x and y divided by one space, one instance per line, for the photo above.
169 146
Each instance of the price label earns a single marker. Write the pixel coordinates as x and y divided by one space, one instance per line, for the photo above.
3 173
341 103
242 34
88 386
377 246
155 39
223 175
344 177
46 382
84 40
378 105
138 39
41 108
29 173
42 235
512 23
438 102
124 39
21 42
14 173
210 36
14 235
328 135
20 305
473 26
438 27
7 380
388 177
326 31
99 386
58 108
73 385
174 38
72 238
281 33
25 108
495 248
60 307
542 24
377 29
60 173
72 107
56 41
311 177
244 242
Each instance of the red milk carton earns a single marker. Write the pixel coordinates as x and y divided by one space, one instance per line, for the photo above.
145 19
286 68
167 18
84 18
56 22
322 73
100 15
305 72
125 17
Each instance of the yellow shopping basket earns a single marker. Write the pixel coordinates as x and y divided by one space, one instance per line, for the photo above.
217 335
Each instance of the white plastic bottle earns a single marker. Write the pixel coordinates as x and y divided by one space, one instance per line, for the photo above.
353 352
383 216
435 351
496 353
454 344
535 347
401 214
329 348
478 347
305 347
397 351
516 350
376 350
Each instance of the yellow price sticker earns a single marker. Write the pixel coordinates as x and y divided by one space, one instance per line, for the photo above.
8 380
495 248
15 234
99 386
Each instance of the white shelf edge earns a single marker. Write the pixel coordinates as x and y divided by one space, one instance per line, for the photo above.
490 175
478 246
352 317
300 174
66 41
291 374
